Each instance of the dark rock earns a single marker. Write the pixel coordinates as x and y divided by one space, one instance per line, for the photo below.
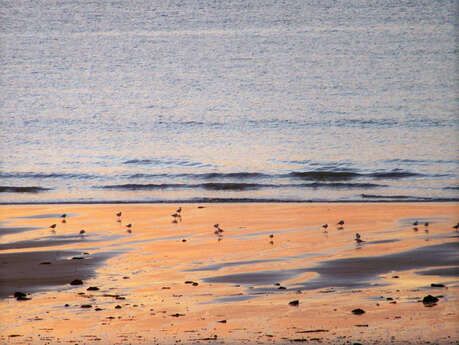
358 311
430 301
165 288
45 263
77 258
395 277
437 285
118 307
86 306
67 305
389 299
23 298
19 294
177 315
294 303
120 297
195 284
98 309
281 288
222 321
126 277
92 288
76 282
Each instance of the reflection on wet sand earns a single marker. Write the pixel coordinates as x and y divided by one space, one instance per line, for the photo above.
167 282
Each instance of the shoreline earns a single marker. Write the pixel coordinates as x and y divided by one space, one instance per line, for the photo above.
232 201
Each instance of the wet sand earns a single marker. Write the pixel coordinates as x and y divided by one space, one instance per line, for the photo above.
166 283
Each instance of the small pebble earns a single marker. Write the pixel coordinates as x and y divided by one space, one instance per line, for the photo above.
358 311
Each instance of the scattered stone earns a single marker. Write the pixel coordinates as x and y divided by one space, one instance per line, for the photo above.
120 297
66 305
92 288
294 303
184 240
395 277
19 294
77 258
222 321
358 311
118 307
430 301
165 288
45 263
86 306
23 298
189 282
314 331
15 335
195 284
363 325
177 315
389 299
76 282
98 309
125 277
437 285
299 340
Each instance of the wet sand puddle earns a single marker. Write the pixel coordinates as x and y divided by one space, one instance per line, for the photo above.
273 275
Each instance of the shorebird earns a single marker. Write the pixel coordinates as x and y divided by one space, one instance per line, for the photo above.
64 221
82 232
415 229
415 223
358 239
341 222
53 226
129 231
426 224
325 226
119 214
64 215
456 226
179 210
129 226
271 236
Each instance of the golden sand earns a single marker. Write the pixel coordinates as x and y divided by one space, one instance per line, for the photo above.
238 296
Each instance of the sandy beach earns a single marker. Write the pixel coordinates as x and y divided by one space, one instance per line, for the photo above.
266 274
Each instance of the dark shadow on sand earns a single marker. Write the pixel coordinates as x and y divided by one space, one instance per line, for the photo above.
16 230
35 271
351 272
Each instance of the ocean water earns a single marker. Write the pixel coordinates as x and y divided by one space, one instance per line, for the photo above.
154 101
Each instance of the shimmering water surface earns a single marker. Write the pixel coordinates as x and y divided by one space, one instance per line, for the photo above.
228 100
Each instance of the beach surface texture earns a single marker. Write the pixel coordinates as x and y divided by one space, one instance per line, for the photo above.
229 273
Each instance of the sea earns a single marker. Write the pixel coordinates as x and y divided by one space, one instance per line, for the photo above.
228 101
